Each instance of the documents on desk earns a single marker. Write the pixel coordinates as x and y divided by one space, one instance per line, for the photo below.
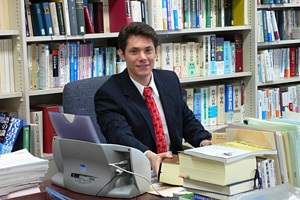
20 170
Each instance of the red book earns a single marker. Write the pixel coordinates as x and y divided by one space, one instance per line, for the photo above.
292 61
238 39
88 22
98 17
119 14
48 130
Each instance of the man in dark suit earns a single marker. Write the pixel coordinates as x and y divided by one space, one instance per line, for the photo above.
122 113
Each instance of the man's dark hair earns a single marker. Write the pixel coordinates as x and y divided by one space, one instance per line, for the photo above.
136 28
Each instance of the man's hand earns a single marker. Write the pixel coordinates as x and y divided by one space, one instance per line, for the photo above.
156 159
206 142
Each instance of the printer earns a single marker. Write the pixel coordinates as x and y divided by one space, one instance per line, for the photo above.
90 168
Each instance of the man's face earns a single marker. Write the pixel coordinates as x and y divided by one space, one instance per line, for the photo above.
139 55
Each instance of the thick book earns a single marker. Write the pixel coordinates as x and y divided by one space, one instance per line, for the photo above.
72 17
48 130
89 26
231 189
54 18
98 17
169 171
216 172
80 16
119 14
230 151
45 8
60 18
37 20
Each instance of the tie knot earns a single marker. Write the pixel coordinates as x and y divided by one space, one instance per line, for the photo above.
147 91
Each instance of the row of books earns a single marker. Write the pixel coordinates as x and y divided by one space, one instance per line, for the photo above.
278 63
70 17
275 25
216 104
273 101
7 79
4 15
55 64
276 1
203 55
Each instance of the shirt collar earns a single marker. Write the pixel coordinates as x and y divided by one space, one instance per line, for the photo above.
140 87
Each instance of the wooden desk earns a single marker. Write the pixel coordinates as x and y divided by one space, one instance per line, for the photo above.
43 195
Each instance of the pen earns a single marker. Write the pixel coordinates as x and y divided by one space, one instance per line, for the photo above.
56 195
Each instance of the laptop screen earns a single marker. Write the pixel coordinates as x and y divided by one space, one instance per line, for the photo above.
77 127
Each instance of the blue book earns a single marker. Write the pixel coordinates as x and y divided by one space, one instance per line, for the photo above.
14 128
102 59
198 20
229 103
227 57
73 17
37 20
186 15
47 18
73 61
197 103
96 62
169 18
193 13
175 16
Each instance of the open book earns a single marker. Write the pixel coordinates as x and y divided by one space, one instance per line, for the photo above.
230 151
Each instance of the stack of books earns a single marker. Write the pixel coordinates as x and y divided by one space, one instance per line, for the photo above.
222 170
20 170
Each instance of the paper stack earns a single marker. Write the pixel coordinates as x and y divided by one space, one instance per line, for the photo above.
20 170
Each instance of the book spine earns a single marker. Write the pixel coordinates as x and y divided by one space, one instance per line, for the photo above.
227 57
221 104
44 68
212 109
238 52
167 56
190 98
197 103
184 60
212 67
177 59
204 106
45 8
72 17
229 103
54 18
37 20
80 16
60 18
28 15
191 56
98 17
220 56
88 21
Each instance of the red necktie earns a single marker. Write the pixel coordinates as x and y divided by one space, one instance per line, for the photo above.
156 120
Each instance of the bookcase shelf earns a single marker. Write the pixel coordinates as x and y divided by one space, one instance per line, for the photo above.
11 95
9 32
278 6
28 96
262 45
290 80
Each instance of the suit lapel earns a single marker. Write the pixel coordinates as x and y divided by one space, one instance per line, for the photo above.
131 93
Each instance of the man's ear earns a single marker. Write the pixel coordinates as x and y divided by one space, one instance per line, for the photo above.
121 54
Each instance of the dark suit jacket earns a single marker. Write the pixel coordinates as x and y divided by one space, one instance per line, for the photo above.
125 119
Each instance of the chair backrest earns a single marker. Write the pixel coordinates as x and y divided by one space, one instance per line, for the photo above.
78 99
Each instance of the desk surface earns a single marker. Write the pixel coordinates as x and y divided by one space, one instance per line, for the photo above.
43 195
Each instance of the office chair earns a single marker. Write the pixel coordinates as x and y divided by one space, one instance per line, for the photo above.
78 99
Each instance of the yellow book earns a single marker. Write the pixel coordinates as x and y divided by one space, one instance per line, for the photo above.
169 171
216 172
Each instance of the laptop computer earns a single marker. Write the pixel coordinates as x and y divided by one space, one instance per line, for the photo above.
77 127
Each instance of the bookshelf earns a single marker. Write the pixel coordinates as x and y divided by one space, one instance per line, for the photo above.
285 42
24 97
